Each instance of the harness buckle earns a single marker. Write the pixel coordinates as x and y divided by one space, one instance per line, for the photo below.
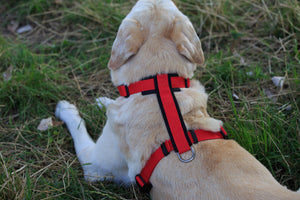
187 160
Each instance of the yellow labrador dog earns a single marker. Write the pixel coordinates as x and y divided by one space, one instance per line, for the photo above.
156 39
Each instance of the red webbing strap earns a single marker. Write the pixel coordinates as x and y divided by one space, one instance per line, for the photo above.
179 82
140 86
143 179
149 85
171 114
208 135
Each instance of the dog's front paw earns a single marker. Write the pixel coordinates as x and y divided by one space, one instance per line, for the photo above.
64 110
104 101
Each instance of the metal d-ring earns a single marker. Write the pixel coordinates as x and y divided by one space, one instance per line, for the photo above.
188 160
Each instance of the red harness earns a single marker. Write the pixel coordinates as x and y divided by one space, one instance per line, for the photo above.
181 140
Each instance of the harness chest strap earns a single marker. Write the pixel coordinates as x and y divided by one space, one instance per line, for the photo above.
164 86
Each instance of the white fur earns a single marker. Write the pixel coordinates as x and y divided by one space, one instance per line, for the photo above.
100 160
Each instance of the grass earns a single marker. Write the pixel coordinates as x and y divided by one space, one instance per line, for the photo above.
246 43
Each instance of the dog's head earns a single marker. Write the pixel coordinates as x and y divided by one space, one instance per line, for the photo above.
155 37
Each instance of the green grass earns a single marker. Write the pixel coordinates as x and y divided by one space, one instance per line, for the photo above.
245 42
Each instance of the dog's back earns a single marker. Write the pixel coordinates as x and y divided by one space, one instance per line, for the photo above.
157 38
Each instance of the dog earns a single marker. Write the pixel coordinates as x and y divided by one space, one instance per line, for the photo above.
155 39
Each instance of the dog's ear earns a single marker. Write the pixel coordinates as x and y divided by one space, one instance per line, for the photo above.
187 41
127 43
